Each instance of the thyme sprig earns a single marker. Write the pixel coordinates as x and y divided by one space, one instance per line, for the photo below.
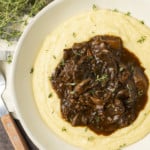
102 78
12 13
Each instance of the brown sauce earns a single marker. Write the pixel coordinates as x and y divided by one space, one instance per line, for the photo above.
100 84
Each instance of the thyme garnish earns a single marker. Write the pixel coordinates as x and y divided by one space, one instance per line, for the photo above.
92 91
140 92
74 34
64 129
103 78
9 59
142 39
115 10
94 7
122 146
62 63
72 83
128 13
50 95
86 129
50 78
12 14
54 56
77 53
142 22
121 69
90 138
32 70
72 92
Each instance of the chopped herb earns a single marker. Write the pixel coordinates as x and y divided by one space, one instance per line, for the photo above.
9 59
129 87
115 10
142 39
132 68
90 138
93 32
54 56
103 78
50 78
72 92
74 34
86 129
142 22
65 45
32 70
122 146
97 119
64 129
77 53
50 95
140 92
90 57
92 92
121 69
72 84
94 7
62 63
128 13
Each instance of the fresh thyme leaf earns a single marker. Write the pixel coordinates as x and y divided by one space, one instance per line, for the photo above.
72 92
54 56
97 119
50 78
74 34
94 7
64 129
62 63
92 92
103 78
142 22
77 53
123 145
9 59
90 57
128 13
140 92
121 69
115 10
32 70
142 39
50 95
72 84
86 129
90 138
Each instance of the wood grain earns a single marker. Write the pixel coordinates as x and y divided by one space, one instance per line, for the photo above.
14 134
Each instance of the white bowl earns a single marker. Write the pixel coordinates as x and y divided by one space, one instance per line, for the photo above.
27 49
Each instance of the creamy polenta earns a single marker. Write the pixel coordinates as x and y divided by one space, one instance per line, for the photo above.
136 38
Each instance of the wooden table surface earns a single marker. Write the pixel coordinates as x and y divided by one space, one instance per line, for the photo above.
4 140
